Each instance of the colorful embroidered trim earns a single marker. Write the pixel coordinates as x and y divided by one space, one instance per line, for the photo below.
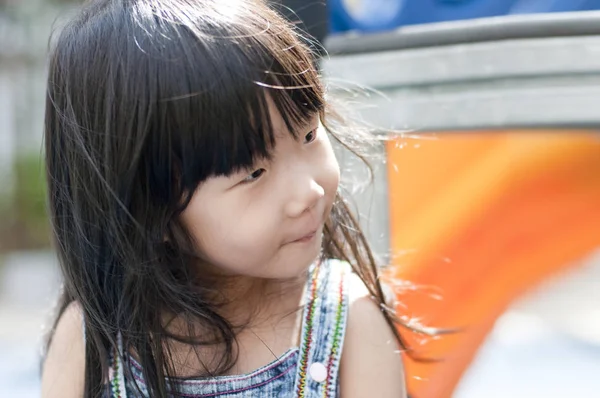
337 333
115 372
307 335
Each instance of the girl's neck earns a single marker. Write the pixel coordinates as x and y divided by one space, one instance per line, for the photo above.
273 328
267 316
262 301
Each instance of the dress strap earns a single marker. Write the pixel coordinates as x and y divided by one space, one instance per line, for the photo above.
116 375
323 330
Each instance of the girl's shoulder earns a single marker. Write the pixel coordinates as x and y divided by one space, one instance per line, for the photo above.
64 364
371 363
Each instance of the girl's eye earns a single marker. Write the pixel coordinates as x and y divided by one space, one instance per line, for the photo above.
310 137
256 174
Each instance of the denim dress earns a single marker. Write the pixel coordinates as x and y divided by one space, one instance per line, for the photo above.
310 370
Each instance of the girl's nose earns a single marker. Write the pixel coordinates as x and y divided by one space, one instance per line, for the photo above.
303 196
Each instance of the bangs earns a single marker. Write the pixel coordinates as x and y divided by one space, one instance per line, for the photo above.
217 86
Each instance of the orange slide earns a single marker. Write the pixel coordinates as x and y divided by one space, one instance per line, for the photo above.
477 219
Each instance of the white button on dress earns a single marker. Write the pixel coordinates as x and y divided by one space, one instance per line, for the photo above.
318 372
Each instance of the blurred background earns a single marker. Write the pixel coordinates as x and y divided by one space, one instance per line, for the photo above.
487 202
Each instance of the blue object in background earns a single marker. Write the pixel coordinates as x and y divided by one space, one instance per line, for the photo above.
540 6
381 15
370 15
423 11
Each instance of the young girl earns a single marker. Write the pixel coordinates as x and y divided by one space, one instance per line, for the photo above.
205 246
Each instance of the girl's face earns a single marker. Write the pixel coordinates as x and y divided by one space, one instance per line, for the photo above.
268 222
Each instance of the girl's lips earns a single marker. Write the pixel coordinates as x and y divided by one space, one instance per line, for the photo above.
306 238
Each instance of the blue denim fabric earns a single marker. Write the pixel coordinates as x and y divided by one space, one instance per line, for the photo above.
321 344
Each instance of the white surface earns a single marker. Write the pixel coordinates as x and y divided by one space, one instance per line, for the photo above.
525 357
547 345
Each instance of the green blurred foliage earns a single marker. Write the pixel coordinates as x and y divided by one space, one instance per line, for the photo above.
23 217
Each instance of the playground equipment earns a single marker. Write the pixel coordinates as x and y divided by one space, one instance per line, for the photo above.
484 218
501 191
